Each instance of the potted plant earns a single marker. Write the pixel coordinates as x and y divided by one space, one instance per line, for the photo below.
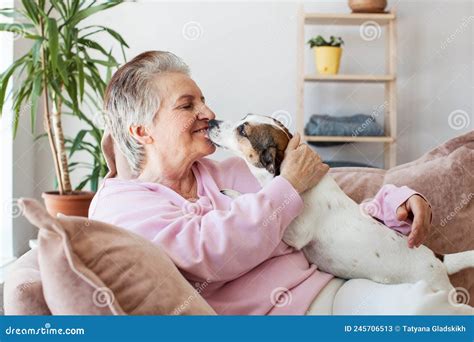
61 70
327 54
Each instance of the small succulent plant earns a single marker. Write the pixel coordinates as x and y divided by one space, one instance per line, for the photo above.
320 41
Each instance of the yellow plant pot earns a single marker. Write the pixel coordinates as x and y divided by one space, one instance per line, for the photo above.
327 59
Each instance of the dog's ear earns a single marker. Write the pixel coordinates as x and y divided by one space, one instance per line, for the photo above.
268 160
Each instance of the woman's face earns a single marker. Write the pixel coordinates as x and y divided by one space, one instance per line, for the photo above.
179 130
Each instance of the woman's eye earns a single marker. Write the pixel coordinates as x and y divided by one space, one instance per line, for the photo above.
188 106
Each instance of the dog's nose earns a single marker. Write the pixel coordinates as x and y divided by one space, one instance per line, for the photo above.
214 123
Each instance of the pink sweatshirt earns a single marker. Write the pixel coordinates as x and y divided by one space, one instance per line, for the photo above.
230 250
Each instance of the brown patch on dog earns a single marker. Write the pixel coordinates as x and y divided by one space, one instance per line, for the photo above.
264 145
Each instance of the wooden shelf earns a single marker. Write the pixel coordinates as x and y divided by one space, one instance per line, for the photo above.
328 138
388 77
349 78
347 18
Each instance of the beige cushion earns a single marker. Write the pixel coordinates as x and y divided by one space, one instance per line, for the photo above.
92 268
23 290
445 176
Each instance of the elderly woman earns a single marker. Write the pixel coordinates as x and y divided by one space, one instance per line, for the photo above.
159 119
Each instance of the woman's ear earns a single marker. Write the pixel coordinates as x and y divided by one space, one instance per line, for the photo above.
141 134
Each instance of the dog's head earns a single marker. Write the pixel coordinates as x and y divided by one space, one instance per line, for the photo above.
260 140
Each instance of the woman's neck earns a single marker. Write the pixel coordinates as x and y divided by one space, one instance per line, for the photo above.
181 180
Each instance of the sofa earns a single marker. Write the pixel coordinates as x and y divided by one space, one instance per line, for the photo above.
83 266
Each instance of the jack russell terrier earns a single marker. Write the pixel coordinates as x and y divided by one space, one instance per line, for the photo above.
332 230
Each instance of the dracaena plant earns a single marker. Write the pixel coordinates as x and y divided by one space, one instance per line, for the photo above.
63 70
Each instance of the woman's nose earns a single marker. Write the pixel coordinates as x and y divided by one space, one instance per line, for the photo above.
206 113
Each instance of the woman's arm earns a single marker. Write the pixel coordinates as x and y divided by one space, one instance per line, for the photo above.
401 209
219 245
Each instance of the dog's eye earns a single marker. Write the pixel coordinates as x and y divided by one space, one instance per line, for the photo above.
241 130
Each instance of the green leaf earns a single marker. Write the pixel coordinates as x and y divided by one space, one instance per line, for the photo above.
83 14
5 77
36 94
105 63
36 51
10 13
82 184
92 44
80 76
53 42
63 70
32 10
77 141
17 28
40 136
113 33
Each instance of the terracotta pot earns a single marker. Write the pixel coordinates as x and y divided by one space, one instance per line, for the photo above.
75 204
367 6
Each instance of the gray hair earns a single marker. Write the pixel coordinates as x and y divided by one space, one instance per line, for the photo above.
132 99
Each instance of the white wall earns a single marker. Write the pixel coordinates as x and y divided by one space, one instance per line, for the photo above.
244 59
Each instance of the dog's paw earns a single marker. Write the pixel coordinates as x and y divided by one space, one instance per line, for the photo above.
231 193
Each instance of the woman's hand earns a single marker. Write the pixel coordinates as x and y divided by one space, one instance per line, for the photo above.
301 166
416 207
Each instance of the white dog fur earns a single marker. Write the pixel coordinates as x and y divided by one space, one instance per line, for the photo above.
337 236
